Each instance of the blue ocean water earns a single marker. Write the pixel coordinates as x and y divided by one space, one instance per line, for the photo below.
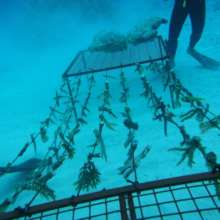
39 39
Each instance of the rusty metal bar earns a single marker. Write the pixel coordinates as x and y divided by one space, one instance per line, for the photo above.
109 193
84 60
176 203
131 207
113 68
163 46
123 209
71 64
194 202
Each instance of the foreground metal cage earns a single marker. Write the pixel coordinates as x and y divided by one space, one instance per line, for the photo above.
184 198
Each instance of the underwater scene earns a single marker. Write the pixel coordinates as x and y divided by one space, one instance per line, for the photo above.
110 109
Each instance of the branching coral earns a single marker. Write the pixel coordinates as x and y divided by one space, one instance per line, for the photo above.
67 146
125 89
211 123
89 176
198 112
191 145
201 112
104 109
161 111
42 188
128 122
85 108
131 164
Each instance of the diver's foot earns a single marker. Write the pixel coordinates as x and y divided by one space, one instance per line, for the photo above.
205 61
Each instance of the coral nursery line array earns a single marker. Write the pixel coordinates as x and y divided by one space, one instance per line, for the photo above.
68 116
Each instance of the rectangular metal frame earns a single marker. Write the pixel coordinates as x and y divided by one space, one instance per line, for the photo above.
81 54
130 199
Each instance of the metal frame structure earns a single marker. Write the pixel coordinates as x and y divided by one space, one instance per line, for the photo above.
184 197
84 56
181 198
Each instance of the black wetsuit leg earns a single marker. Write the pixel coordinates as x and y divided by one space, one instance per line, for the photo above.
177 20
197 17
196 10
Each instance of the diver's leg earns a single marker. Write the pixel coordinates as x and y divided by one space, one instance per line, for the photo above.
178 18
197 17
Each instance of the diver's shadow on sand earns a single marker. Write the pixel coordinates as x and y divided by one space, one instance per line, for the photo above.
12 182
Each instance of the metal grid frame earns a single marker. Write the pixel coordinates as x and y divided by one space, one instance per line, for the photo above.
71 72
180 198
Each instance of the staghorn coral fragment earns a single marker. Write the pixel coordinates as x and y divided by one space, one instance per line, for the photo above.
175 94
105 95
192 100
162 113
130 165
47 122
54 110
130 138
67 146
124 96
198 112
188 151
82 121
202 113
108 110
99 141
58 163
84 111
42 188
24 149
108 124
187 115
130 124
211 160
125 90
72 133
185 135
33 141
211 123
43 134
155 67
57 99
93 155
89 177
